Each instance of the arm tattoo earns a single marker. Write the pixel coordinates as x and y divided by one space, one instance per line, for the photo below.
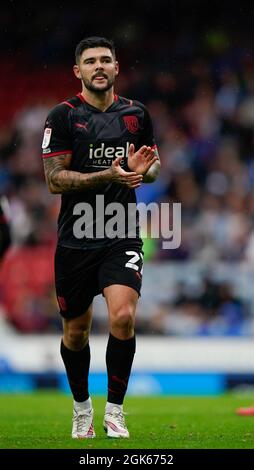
62 180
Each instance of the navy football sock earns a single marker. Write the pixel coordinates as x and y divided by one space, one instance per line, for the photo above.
119 359
77 365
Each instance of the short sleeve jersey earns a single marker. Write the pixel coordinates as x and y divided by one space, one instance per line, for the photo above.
94 138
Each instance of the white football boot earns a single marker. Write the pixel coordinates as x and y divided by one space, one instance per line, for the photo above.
114 423
82 424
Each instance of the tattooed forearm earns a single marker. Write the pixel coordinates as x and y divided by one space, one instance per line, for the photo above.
67 181
62 180
153 172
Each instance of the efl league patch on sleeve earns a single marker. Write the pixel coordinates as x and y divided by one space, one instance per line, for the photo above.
46 137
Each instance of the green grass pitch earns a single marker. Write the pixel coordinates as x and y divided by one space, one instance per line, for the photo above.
43 421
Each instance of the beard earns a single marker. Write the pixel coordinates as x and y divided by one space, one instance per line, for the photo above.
91 87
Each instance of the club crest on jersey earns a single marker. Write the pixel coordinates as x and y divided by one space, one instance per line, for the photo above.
46 137
131 123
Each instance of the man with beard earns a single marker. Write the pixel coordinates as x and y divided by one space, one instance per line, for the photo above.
97 148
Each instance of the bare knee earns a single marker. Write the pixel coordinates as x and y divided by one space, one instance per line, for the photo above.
76 331
75 338
122 322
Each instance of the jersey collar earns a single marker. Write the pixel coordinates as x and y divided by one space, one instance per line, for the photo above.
81 97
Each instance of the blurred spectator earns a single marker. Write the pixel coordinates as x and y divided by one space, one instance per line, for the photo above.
215 311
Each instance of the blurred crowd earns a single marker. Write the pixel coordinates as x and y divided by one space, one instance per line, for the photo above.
200 93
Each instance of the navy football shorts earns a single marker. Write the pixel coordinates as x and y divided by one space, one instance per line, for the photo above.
80 275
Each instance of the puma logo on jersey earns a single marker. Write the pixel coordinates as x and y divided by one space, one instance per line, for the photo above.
82 126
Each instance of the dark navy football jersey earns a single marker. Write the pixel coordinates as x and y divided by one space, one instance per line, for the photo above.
94 139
